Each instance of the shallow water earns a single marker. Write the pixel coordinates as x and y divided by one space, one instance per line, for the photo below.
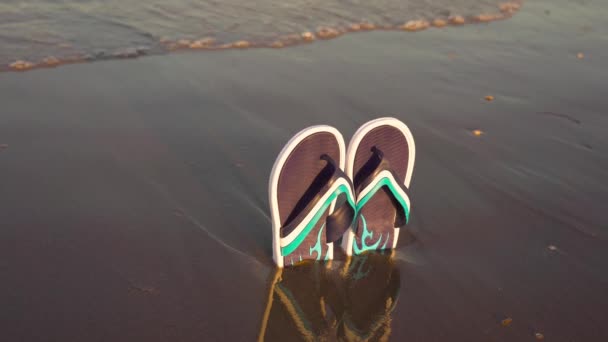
77 30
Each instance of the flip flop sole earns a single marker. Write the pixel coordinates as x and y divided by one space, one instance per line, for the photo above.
376 219
295 169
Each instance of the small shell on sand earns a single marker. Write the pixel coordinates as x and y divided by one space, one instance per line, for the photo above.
50 61
477 133
202 43
456 20
308 36
489 98
539 336
552 248
277 44
439 22
415 25
506 322
21 65
509 7
580 55
241 44
327 32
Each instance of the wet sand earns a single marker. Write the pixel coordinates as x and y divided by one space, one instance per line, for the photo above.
134 193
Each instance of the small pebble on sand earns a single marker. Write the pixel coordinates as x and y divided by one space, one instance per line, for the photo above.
3 147
552 248
489 98
477 132
539 336
506 322
580 55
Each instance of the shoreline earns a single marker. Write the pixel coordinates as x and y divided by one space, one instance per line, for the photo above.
167 46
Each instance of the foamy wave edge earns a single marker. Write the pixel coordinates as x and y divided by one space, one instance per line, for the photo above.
505 11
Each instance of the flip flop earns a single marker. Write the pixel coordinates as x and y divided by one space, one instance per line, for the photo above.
305 182
380 161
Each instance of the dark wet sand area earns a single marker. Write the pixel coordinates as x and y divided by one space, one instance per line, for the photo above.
133 194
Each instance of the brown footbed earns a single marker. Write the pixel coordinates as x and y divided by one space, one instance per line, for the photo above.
380 212
298 173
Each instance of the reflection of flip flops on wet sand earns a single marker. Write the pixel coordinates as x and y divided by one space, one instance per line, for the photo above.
312 303
305 182
380 161
370 292
296 309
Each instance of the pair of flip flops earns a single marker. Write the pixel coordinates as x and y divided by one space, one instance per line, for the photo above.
315 170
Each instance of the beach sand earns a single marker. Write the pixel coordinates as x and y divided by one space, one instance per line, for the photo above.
134 203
